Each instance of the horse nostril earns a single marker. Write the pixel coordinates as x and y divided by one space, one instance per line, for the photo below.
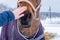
25 19
29 15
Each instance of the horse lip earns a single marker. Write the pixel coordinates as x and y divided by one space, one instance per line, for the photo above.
26 26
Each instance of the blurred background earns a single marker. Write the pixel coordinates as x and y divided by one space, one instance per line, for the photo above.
49 14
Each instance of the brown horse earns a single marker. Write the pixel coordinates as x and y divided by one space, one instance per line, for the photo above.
28 27
29 24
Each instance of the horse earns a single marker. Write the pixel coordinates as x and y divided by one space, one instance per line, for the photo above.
27 27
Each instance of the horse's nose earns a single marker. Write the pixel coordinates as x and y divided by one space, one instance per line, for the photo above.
25 20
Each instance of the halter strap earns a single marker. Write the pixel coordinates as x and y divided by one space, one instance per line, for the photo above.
27 1
35 9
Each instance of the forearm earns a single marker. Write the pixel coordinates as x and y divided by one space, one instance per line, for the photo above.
6 17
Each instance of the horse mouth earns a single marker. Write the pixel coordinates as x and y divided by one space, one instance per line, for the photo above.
26 20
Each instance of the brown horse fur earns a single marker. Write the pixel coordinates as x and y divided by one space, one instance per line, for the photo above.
29 32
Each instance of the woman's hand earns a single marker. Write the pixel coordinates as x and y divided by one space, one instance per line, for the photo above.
18 12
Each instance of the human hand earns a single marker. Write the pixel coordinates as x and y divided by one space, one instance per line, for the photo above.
18 12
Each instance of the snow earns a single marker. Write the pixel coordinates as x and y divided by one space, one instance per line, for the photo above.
52 26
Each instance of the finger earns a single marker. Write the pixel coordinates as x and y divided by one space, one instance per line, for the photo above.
20 16
22 9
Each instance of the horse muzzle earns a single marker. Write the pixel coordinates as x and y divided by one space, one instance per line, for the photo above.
26 20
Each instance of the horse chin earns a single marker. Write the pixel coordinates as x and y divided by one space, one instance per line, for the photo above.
26 26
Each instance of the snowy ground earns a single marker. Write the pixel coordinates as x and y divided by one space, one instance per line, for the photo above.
0 30
52 26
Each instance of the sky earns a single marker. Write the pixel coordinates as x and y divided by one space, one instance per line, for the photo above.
54 4
9 3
